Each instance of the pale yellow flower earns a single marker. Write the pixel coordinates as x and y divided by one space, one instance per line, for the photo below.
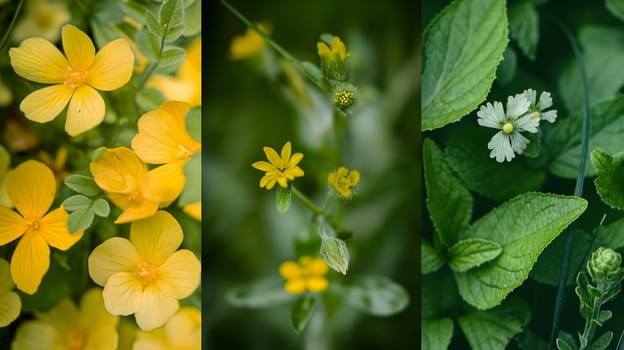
145 275
76 78
181 332
343 181
10 303
279 169
193 210
249 44
308 274
333 59
41 18
67 327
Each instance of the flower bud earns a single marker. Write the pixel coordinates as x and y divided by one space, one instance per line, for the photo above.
604 263
335 253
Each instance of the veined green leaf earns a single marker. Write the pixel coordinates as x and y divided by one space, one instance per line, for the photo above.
375 295
101 208
77 202
462 46
523 226
436 333
80 220
300 312
172 57
524 26
83 185
148 44
431 260
152 24
472 252
609 184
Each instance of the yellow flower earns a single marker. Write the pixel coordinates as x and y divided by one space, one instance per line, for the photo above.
343 181
5 162
65 326
43 19
249 44
162 136
75 78
186 85
193 210
31 187
181 332
333 59
145 275
280 169
309 275
57 164
10 303
131 187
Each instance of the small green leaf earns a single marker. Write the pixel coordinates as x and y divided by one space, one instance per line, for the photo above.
603 342
616 7
375 295
101 208
261 293
192 18
524 27
171 57
431 259
174 32
335 253
472 252
192 187
83 185
448 201
77 202
170 13
523 226
604 316
565 341
300 312
609 184
148 44
149 98
152 23
493 329
462 47
436 333
79 220
193 123
282 199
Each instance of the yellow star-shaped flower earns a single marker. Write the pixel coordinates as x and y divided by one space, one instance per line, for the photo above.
279 169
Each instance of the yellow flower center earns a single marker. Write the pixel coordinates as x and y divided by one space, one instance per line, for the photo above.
508 128
33 225
535 115
146 272
136 196
75 77
344 99
76 340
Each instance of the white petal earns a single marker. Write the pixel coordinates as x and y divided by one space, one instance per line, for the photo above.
517 105
527 123
518 142
491 116
550 116
501 148
545 101
530 95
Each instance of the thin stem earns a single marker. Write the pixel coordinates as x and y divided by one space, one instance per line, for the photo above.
578 189
308 203
7 33
152 67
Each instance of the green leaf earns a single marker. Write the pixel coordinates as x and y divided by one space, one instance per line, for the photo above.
436 334
472 252
448 201
431 259
604 316
170 14
149 98
609 184
547 269
282 199
602 343
80 220
565 341
172 57
174 32
193 122
611 236
616 7
77 202
523 226
83 185
506 70
462 46
375 295
193 19
260 293
101 208
152 23
524 27
435 304
148 44
300 312
192 187
335 253
606 130
493 329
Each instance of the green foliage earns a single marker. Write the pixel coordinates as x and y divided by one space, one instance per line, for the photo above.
524 26
431 259
462 47
609 183
335 253
83 184
472 252
300 312
262 293
436 333
616 7
282 199
375 295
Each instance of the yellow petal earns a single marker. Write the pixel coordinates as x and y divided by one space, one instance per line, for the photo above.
286 150
12 225
193 210
295 286
157 237
317 266
145 209
113 256
113 66
10 307
183 329
30 262
46 104
63 317
165 183
103 337
289 270
93 315
122 294
31 187
78 47
86 111
31 334
38 60
179 276
53 228
118 170
317 284
263 166
294 160
175 89
156 308
272 156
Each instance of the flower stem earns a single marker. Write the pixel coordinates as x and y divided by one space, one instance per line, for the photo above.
307 202
7 33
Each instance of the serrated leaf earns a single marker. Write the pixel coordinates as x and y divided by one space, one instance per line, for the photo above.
462 47
472 252
375 295
524 27
83 185
300 312
148 44
282 199
260 293
101 208
602 343
431 259
77 202
79 220
609 184
172 56
152 23
448 201
616 7
436 333
493 329
606 130
523 226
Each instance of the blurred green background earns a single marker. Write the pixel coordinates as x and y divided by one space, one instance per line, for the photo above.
248 104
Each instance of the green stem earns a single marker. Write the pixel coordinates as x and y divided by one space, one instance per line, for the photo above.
7 33
590 328
152 67
307 202
578 189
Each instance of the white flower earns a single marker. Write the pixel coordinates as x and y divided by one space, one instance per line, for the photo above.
508 140
537 109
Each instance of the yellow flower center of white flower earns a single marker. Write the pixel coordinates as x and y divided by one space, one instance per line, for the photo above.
146 272
75 77
76 339
508 128
535 114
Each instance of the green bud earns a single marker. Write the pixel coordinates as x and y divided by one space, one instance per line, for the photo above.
335 253
604 264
